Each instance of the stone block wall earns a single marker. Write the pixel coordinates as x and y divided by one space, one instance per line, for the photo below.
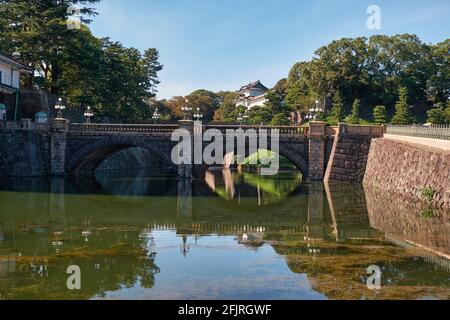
405 169
348 158
24 153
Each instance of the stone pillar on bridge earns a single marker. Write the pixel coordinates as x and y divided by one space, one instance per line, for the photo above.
185 171
316 161
58 142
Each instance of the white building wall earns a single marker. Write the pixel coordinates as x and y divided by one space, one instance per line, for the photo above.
259 102
6 75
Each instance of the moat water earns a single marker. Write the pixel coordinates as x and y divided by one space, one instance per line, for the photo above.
228 236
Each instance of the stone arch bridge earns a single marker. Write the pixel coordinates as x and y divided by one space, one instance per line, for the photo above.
80 148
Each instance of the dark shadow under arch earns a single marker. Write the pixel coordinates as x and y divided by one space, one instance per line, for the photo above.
86 159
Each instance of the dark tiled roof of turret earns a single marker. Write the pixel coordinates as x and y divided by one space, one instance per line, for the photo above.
254 85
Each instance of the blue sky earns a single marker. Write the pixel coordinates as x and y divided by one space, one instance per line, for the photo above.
223 44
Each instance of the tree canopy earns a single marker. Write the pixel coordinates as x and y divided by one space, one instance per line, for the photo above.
374 69
116 81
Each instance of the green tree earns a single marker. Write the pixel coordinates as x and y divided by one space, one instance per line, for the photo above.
438 83
437 114
124 83
116 81
447 113
299 94
227 112
206 101
275 103
37 31
337 111
260 115
281 87
356 109
374 68
402 114
340 66
379 115
280 119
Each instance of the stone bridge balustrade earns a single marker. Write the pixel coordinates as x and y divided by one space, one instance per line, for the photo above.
338 153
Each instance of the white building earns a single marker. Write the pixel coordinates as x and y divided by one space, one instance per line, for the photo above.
251 95
10 71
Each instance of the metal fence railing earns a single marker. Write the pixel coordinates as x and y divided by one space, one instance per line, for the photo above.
283 130
441 132
78 127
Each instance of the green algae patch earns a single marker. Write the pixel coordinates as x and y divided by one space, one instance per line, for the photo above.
339 270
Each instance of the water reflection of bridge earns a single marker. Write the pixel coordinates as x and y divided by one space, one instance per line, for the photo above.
336 212
316 219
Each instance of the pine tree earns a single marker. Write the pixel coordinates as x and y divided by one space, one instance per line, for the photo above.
337 111
437 114
402 115
356 110
379 114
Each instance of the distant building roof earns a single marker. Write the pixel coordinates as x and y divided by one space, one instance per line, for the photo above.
10 60
254 85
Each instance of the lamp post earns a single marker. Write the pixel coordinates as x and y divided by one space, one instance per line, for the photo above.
59 107
156 115
242 118
184 247
314 112
186 109
88 114
198 116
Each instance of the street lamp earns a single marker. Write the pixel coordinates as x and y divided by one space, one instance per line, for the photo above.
186 109
156 115
198 116
314 112
88 114
184 248
242 118
59 107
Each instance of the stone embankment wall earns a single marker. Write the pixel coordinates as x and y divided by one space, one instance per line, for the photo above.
406 169
348 158
24 153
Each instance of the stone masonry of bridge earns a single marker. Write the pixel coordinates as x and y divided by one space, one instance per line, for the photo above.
348 158
61 149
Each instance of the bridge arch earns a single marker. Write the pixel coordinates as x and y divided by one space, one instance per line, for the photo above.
295 153
86 158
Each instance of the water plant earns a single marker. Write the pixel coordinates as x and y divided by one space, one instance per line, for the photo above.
428 193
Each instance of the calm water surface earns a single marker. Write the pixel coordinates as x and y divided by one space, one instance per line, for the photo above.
228 236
